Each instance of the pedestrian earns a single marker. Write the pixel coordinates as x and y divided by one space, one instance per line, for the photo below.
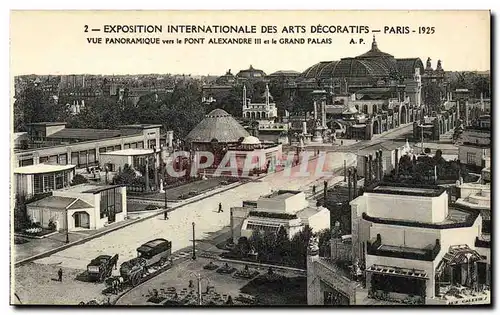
341 142
314 189
220 207
165 215
60 274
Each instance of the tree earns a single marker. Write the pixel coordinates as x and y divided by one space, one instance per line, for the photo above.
299 245
127 176
21 218
33 105
302 103
79 179
432 96
282 247
324 243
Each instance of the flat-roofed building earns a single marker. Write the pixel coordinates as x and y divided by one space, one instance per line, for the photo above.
476 146
79 207
413 244
135 158
42 178
284 208
53 143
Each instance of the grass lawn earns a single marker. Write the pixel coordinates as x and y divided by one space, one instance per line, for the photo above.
184 191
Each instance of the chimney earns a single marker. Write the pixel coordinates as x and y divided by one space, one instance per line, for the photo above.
370 162
355 184
396 162
349 185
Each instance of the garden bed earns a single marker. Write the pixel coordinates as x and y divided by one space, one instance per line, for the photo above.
39 233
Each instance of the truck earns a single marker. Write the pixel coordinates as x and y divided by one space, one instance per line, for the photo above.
101 267
153 253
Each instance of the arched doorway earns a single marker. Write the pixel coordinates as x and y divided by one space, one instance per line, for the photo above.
376 127
402 114
81 219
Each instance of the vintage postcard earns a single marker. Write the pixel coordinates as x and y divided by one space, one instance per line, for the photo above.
242 158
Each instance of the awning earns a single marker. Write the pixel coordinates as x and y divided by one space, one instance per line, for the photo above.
397 271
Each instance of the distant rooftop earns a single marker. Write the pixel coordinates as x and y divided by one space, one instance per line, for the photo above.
42 169
57 202
141 126
88 188
47 123
84 134
281 194
403 189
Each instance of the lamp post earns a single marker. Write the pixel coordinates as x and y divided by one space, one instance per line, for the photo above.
194 245
67 227
199 277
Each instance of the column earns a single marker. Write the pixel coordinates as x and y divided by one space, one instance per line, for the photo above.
370 162
323 113
315 111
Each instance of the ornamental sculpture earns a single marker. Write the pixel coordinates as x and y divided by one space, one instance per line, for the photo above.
313 248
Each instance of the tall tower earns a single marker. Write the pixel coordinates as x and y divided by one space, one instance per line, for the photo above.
244 95
418 81
267 97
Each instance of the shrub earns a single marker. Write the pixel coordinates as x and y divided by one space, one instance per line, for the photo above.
79 179
151 207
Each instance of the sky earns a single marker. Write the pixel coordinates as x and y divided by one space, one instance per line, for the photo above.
55 42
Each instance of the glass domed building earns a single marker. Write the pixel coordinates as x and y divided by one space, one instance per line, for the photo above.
373 68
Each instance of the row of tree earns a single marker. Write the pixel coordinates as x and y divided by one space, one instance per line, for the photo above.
278 248
179 111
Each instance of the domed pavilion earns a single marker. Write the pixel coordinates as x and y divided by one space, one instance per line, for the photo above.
219 133
217 127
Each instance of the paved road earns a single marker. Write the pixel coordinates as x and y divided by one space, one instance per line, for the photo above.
179 229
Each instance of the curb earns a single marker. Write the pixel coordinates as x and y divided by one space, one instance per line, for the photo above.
99 234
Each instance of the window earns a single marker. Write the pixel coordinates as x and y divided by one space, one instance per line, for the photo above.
53 159
102 150
92 157
37 184
48 182
109 149
111 202
133 145
82 160
74 158
471 158
270 228
140 145
63 159
126 146
151 144
26 162
118 147
44 159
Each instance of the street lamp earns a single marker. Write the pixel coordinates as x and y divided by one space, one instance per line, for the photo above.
199 277
194 246
67 227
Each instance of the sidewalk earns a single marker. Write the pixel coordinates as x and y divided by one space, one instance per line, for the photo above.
39 246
